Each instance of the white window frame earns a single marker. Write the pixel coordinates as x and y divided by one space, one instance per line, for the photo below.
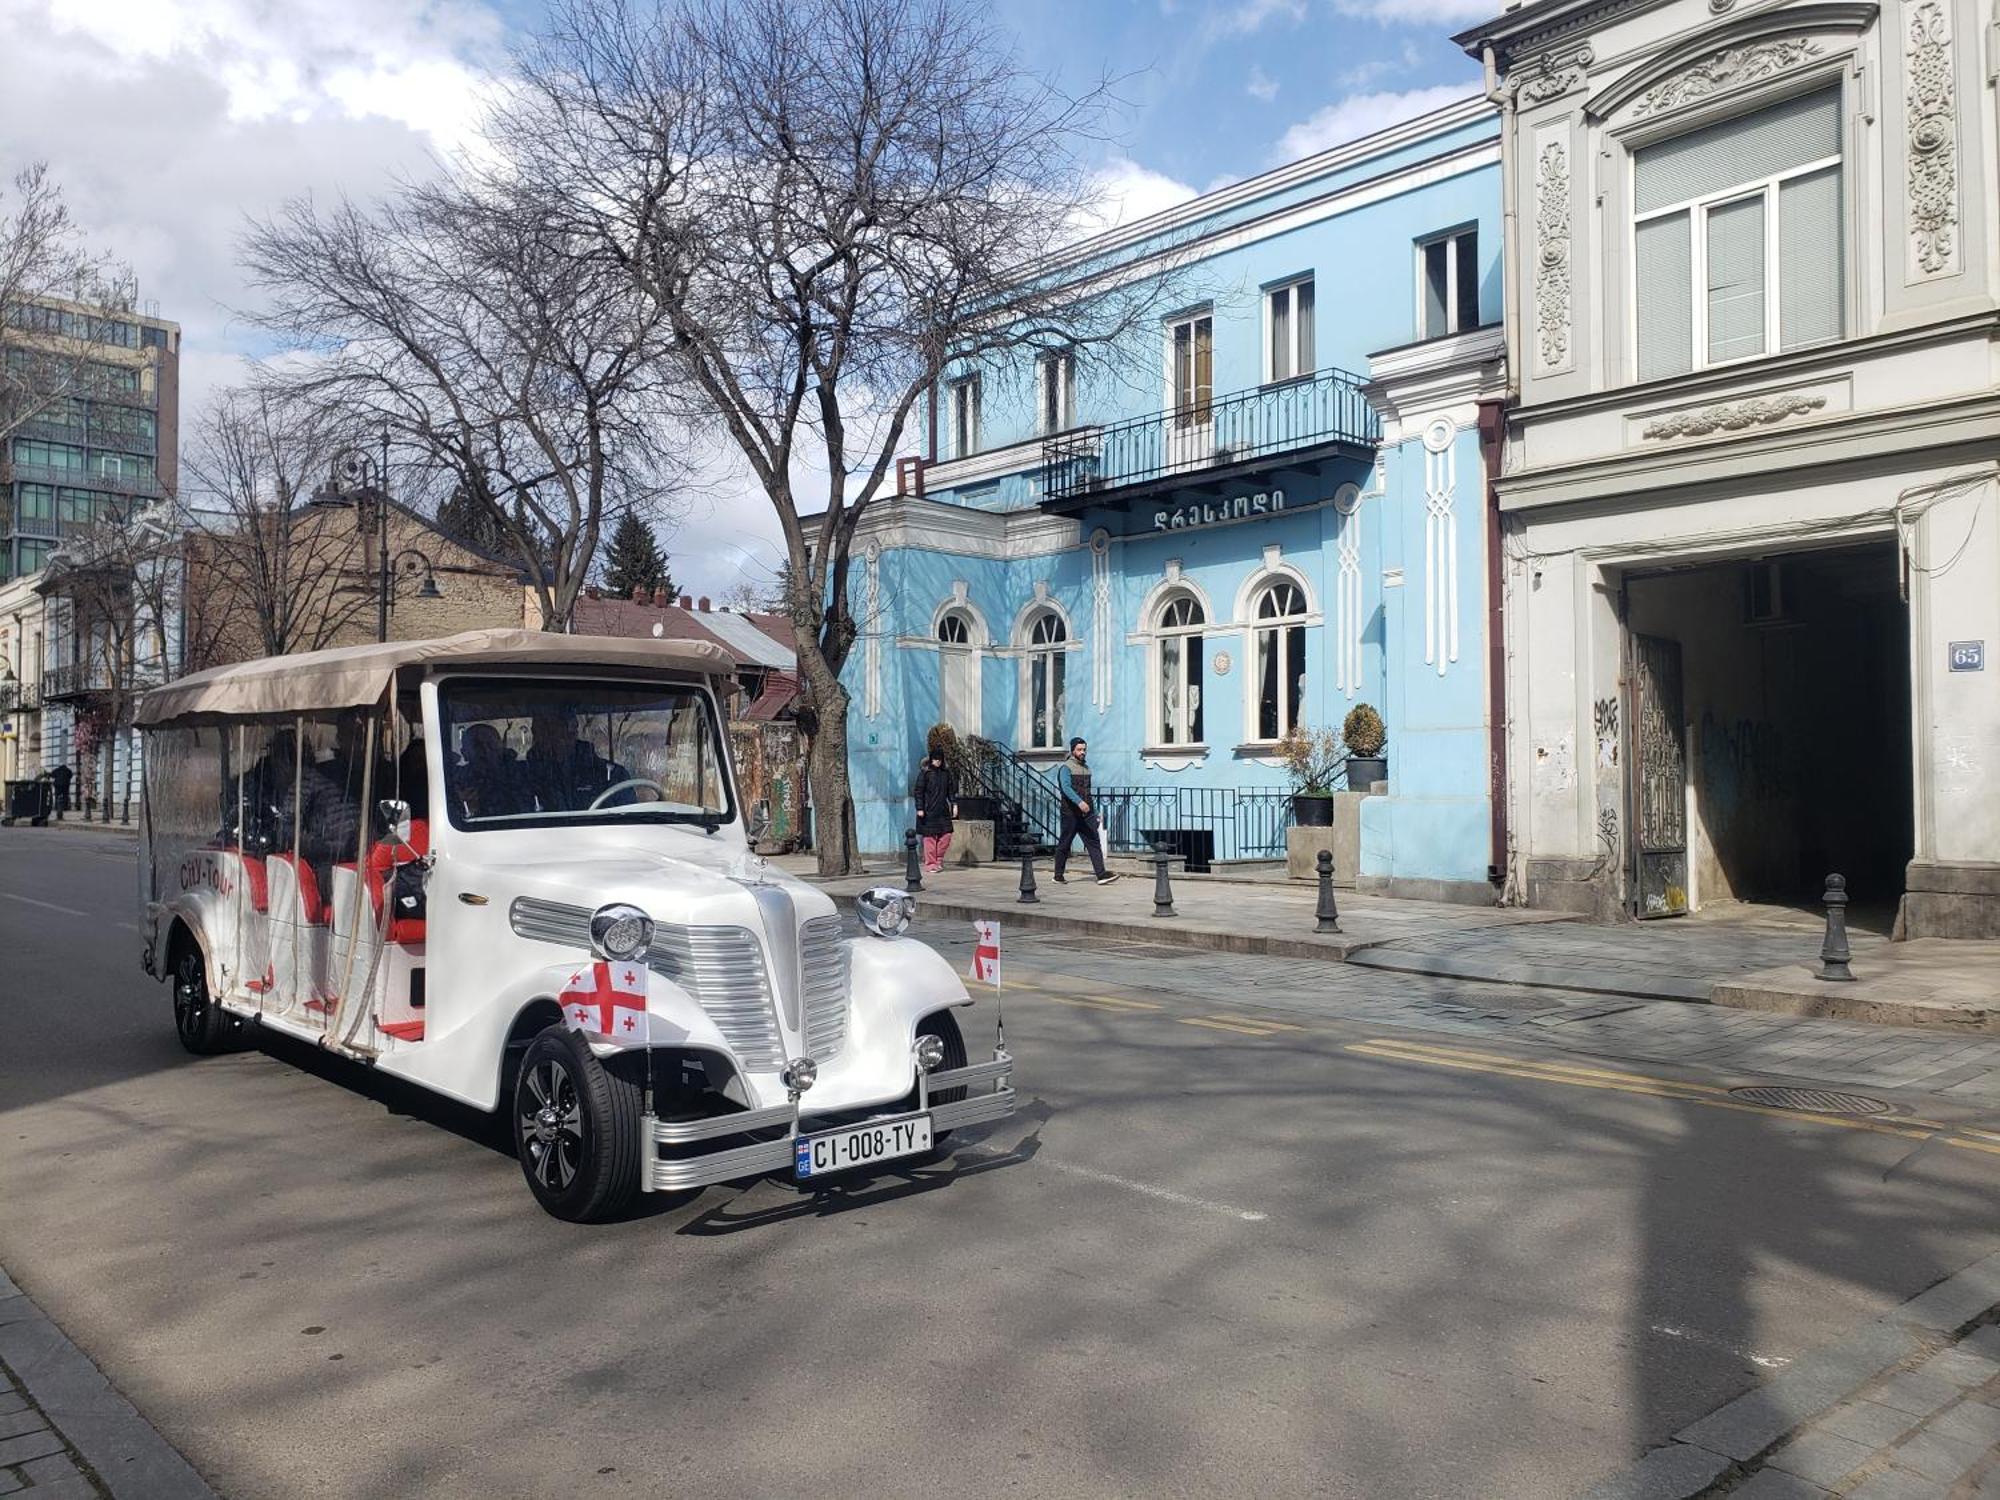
1288 290
962 412
1449 238
1698 210
1254 625
1202 414
1161 632
1038 657
1057 366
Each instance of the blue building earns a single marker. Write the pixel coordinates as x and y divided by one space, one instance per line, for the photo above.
1292 520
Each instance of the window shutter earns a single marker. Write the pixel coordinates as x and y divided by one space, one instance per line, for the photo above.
1724 155
1736 279
1666 297
1809 256
1302 296
1281 333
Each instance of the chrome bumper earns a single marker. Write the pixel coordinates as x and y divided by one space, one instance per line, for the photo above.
676 1174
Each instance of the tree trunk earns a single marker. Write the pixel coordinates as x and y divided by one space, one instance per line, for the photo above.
833 808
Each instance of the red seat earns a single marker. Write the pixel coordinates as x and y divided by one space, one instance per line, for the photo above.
309 897
403 1031
383 858
253 876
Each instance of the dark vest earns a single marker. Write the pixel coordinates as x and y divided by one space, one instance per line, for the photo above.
1079 775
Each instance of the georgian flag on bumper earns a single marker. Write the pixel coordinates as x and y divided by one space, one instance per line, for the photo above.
986 952
608 1000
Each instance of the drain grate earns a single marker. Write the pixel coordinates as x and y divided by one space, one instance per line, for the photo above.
1819 1101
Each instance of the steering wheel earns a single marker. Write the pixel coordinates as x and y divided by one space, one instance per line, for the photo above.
619 786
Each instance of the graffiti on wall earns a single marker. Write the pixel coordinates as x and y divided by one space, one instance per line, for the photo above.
1605 713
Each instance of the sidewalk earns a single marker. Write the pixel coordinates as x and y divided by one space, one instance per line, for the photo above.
65 1434
1749 958
1904 1408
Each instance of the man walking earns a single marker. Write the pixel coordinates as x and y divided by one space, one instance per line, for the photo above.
1079 816
936 794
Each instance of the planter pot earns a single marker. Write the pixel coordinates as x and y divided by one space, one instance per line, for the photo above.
977 809
1363 771
1313 809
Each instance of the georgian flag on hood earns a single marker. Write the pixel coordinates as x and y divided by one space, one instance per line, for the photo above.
608 1001
986 952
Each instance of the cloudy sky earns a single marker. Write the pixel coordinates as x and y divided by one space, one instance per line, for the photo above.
168 121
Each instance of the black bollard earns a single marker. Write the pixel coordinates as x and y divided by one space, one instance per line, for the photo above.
1027 896
1163 890
1327 918
913 867
1833 954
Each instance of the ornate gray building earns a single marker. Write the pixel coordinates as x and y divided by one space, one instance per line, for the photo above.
1750 525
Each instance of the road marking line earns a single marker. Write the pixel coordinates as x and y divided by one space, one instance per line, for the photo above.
1576 1069
1226 1026
1972 1145
1259 1021
1119 1002
1149 1189
68 911
1084 1003
1665 1090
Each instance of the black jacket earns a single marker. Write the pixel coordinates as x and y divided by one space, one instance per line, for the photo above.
935 791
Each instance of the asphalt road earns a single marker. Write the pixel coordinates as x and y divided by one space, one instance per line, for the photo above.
1221 1252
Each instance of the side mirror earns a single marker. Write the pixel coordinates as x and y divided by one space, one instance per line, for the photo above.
395 816
760 820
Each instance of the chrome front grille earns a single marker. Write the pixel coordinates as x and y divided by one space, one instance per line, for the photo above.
722 967
823 964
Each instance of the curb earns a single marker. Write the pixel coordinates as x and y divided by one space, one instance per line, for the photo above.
1831 1002
1585 981
1177 934
1758 1420
129 1458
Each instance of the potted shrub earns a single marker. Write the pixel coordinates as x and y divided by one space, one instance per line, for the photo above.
1365 738
1312 758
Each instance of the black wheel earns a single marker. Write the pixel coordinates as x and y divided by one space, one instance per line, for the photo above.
943 1026
203 1026
576 1128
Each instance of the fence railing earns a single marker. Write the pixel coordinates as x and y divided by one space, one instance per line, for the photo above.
1313 411
1198 824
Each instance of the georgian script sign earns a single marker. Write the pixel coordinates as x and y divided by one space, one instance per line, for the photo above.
1214 512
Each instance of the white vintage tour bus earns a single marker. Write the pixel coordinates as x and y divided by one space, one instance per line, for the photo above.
511 867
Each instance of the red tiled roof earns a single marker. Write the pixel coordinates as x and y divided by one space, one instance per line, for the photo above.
781 693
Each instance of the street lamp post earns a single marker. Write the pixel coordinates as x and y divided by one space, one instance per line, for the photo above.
362 479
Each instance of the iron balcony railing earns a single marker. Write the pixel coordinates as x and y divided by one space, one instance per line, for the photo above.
1322 410
74 679
88 479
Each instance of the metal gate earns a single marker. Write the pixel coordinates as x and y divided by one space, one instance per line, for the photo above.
1660 791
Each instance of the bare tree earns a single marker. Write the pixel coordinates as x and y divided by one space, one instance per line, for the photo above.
462 317
830 204
54 295
270 573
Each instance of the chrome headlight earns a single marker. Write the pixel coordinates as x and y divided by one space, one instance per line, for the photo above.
799 1074
930 1053
886 911
619 932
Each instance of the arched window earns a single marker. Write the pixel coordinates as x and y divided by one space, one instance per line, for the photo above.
958 664
1177 626
1047 644
1278 625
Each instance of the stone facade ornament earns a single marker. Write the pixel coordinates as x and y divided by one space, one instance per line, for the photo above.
1731 68
1552 76
1933 139
1440 544
871 679
1733 416
1552 255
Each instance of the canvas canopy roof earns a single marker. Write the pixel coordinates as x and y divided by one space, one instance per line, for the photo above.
355 676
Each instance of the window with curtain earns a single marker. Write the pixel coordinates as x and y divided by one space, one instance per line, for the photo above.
1737 238
1280 635
1288 319
1192 357
1177 627
1055 384
965 416
1448 273
1047 645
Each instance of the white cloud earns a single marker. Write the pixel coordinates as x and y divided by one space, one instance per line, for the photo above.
1362 114
1261 85
1127 192
1417 12
1247 17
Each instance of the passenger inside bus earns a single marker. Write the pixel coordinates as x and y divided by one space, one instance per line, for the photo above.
488 780
564 771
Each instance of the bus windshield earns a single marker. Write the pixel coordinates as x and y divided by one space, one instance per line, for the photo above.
564 750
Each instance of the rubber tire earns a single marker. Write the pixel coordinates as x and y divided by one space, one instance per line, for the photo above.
611 1102
204 1027
944 1026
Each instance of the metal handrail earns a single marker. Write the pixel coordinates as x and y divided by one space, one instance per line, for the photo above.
1317 410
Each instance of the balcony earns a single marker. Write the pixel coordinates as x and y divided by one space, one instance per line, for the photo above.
87 479
74 679
1294 424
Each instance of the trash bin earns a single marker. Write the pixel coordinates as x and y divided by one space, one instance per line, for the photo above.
28 800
